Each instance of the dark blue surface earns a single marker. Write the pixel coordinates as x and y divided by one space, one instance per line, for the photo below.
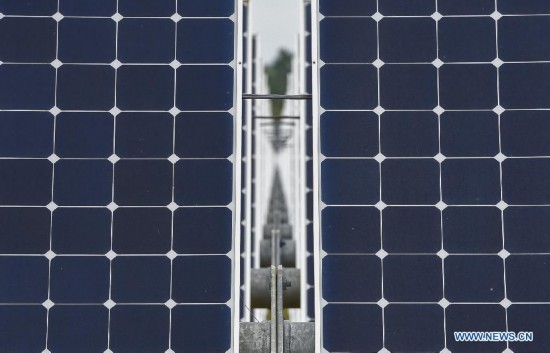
406 7
78 328
530 318
87 40
143 182
409 134
141 87
204 135
349 134
347 7
524 7
23 328
410 182
347 324
351 230
472 230
141 230
147 8
28 40
483 318
526 229
491 80
345 285
203 87
348 87
84 135
146 40
411 229
311 302
347 186
525 85
467 39
88 8
29 7
525 133
405 40
140 328
25 182
64 63
79 279
27 86
201 279
466 7
206 8
414 328
83 182
360 43
193 48
26 134
24 279
97 92
468 86
203 182
81 231
526 181
310 270
470 181
523 40
408 86
195 326
144 135
413 278
533 287
470 134
140 279
24 230
474 278
203 230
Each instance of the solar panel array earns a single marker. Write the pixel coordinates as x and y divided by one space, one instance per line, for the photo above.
116 175
434 173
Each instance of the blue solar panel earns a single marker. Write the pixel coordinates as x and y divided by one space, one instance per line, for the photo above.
434 173
117 161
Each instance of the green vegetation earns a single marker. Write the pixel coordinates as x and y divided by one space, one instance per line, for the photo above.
277 73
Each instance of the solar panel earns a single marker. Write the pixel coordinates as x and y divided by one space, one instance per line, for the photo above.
117 172
434 178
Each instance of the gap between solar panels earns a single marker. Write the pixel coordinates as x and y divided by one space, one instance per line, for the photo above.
273 283
276 284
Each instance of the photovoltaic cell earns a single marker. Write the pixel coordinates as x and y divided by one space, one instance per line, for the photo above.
117 164
434 173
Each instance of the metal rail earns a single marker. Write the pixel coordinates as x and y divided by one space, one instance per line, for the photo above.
277 96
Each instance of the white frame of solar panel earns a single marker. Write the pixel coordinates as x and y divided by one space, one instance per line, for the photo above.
248 168
238 96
